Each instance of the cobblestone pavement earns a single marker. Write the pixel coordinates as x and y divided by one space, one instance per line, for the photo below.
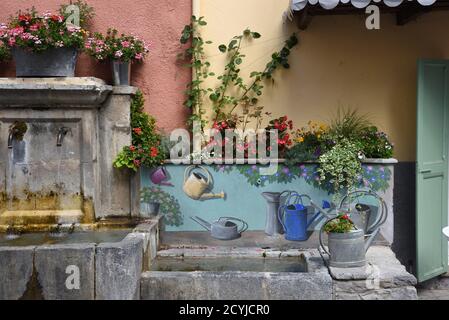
433 294
434 289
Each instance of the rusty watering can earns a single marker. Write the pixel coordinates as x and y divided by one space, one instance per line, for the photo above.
347 250
196 184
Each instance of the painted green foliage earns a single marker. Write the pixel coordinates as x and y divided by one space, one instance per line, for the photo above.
169 205
374 177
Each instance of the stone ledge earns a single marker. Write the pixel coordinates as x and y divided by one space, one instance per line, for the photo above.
118 267
124 90
41 92
52 262
235 286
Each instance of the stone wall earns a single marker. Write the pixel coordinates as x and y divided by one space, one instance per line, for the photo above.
109 271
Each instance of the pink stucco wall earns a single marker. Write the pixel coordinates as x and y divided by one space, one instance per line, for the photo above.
160 78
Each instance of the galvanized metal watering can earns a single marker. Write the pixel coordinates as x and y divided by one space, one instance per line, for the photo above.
293 217
348 250
224 228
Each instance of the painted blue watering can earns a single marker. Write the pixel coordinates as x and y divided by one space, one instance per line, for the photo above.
293 217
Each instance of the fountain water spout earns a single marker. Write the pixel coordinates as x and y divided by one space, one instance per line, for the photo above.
61 134
10 138
72 228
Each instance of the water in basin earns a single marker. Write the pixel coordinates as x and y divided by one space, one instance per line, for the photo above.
188 264
46 238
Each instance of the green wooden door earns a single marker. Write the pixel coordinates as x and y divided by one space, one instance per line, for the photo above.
432 168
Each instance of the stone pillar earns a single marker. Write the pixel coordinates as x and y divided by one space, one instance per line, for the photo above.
115 133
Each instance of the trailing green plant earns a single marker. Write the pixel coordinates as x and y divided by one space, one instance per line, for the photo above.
195 56
232 91
340 166
341 224
146 148
39 32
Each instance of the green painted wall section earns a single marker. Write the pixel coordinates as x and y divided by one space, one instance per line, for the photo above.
243 186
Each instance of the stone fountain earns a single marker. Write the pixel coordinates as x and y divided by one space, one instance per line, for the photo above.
58 139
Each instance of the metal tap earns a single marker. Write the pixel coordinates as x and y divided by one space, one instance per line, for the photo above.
61 134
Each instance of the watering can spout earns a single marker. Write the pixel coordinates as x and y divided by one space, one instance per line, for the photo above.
202 223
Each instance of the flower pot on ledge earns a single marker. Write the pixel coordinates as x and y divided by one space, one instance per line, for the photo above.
56 62
121 73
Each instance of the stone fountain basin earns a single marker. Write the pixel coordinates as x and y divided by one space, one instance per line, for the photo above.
236 274
108 262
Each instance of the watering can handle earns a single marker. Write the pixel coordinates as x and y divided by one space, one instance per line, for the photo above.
298 198
321 237
281 213
187 172
244 223
193 167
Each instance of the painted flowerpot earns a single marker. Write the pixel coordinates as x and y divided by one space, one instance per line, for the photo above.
56 62
347 250
151 209
121 73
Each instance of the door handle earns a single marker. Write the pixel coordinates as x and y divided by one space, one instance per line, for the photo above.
426 171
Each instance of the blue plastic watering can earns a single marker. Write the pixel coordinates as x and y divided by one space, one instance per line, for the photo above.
293 218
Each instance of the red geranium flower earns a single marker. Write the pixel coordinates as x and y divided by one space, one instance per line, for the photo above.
154 152
24 18
132 148
57 18
137 131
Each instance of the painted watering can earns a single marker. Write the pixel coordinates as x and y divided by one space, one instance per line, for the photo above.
347 250
293 217
196 184
158 176
224 228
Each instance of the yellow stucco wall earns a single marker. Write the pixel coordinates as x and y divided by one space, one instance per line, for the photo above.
338 62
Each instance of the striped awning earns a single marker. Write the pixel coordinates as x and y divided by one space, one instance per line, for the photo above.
297 5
